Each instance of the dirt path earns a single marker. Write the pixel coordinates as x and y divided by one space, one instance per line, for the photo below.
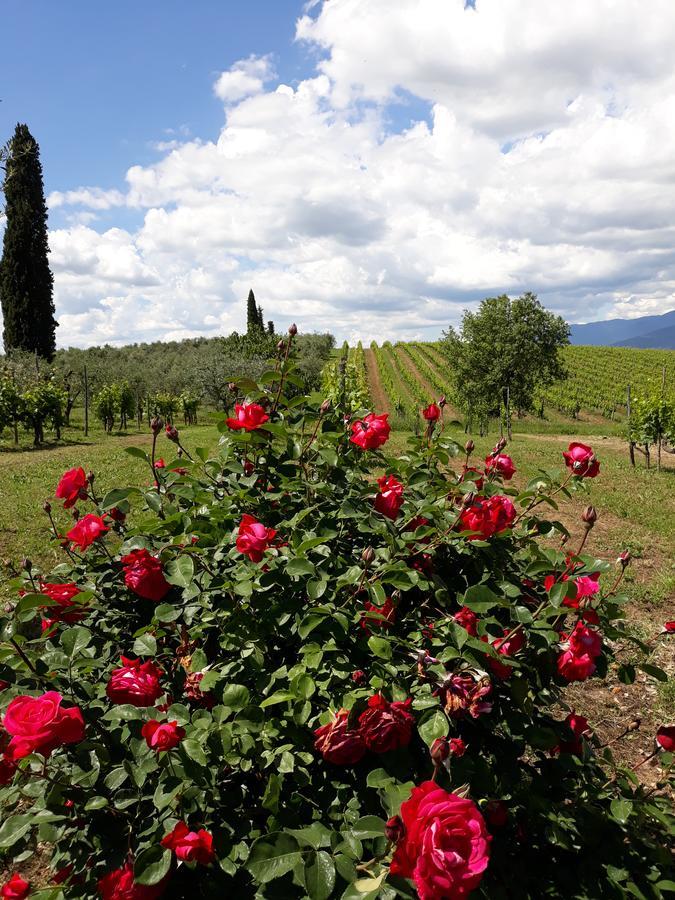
378 395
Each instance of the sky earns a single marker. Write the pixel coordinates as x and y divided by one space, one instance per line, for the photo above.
367 167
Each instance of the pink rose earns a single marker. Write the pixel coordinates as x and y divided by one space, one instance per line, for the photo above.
581 459
253 538
389 500
370 432
386 726
446 846
135 683
249 416
144 575
86 530
40 725
338 743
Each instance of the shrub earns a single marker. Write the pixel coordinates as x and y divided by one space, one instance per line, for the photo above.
266 687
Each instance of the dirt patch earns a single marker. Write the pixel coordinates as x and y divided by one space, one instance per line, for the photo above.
378 395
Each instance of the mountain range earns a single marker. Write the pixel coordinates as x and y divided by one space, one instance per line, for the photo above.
657 332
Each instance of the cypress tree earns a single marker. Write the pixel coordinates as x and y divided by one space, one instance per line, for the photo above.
270 327
251 313
26 283
261 321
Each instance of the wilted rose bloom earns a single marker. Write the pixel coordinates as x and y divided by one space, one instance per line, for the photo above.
457 747
190 846
40 725
117 515
665 737
253 538
86 530
248 416
501 464
135 682
193 691
581 459
445 848
579 727
144 575
338 743
120 885
370 432
464 693
467 619
390 499
386 726
384 616
432 413
162 735
72 487
439 750
15 889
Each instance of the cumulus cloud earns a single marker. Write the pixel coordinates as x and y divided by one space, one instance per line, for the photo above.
545 163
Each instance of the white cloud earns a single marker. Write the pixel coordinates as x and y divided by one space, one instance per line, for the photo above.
546 163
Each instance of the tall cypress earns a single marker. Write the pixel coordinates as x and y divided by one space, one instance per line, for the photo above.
261 321
251 313
26 283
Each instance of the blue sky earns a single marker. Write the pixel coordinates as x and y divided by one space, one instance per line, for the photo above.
368 166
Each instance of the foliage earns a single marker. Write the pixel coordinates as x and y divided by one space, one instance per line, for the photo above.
504 352
25 277
652 420
263 629
344 381
44 404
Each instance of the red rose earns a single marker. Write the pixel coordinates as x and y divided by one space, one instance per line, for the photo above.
446 846
135 682
665 737
64 610
86 530
162 735
587 585
581 460
117 515
669 627
574 667
457 747
370 432
144 575
40 725
389 500
585 640
501 512
501 464
470 473
432 413
439 750
579 727
386 726
253 538
339 744
72 487
250 416
190 846
486 517
16 888
505 646
467 619
120 885
384 617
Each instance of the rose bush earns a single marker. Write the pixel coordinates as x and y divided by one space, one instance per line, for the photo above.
274 688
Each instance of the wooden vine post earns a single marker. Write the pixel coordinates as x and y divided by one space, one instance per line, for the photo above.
631 442
86 403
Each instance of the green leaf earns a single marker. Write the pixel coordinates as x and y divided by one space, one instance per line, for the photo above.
75 639
480 599
621 810
151 865
316 589
180 571
194 750
138 453
300 566
167 613
380 647
236 696
13 829
268 861
654 671
433 725
270 798
368 827
319 875
145 645
303 687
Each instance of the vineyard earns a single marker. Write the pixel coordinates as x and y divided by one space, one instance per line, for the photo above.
401 378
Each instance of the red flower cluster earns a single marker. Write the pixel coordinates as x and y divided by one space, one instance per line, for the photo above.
432 412
190 846
40 725
135 682
370 432
577 660
254 538
15 889
65 610
487 516
72 487
120 885
249 417
86 530
508 645
500 464
390 499
581 459
384 617
467 619
144 575
161 736
579 727
445 846
382 727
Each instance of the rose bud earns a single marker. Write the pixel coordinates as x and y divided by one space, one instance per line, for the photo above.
293 330
91 477
172 433
499 446
358 677
75 513
623 559
325 406
47 506
442 401
394 829
589 516
156 424
26 564
280 346
368 556
468 499
439 750
469 447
